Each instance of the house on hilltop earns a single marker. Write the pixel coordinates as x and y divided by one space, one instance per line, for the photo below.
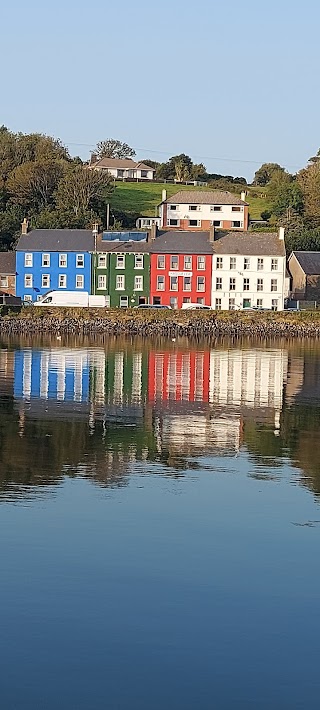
124 168
200 210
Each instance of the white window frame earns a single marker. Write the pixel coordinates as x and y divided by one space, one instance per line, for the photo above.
45 260
102 282
47 278
160 284
215 208
28 278
246 284
187 286
259 285
138 280
102 261
246 263
174 220
232 283
28 260
63 258
174 266
80 258
232 304
201 268
259 302
62 278
138 258
4 281
198 221
27 298
219 262
125 301
218 304
219 283
174 284
274 264
260 264
161 257
121 261
201 286
120 279
187 262
233 263
79 280
274 285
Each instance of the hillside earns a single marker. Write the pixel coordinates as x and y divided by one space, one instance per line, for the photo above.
141 199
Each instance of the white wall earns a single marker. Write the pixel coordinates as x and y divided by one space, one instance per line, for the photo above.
206 213
253 275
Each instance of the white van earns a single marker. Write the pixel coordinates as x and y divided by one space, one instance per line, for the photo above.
72 299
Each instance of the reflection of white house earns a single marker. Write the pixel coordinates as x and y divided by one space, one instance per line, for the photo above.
251 378
124 168
197 433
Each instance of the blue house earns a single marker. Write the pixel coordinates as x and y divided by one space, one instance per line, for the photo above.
53 260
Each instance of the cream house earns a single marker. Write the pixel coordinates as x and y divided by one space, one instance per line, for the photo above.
193 209
249 270
124 169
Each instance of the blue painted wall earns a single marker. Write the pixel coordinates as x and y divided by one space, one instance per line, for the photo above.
54 270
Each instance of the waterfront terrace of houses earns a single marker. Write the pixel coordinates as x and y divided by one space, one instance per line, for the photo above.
200 210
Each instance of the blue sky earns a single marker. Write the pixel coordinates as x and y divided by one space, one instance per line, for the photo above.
233 80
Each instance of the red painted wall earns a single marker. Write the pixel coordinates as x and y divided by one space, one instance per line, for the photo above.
180 293
179 376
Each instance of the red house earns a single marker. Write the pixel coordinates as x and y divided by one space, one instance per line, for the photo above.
181 268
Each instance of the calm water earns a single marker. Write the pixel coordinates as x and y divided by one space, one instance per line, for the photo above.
159 525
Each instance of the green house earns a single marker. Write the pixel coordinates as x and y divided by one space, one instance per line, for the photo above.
121 271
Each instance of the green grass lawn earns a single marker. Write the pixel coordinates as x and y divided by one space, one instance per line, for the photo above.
137 198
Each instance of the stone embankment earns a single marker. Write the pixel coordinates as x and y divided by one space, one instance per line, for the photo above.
32 321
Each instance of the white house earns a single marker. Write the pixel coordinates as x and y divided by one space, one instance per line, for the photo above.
122 169
249 270
197 209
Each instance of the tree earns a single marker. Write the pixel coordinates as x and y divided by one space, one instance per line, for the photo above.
265 173
32 185
82 195
112 148
285 195
308 180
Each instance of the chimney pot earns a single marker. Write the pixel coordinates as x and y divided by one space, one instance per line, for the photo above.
25 226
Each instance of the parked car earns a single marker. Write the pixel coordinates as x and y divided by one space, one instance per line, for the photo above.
152 305
197 306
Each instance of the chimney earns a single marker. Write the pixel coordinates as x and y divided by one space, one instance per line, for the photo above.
281 234
164 195
152 235
243 196
25 226
95 229
211 234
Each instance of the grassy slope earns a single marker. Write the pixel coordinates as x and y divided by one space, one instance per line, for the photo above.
143 198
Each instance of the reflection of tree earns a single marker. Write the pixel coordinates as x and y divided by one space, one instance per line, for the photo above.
300 432
262 444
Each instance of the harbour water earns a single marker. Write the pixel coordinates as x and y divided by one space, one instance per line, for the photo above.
159 524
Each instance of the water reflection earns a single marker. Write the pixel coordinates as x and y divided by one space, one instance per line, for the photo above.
97 409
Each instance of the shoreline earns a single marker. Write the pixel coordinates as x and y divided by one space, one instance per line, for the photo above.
177 323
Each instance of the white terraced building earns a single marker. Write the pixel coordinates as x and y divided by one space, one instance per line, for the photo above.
249 270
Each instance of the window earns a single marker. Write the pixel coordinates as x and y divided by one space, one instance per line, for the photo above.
274 304
187 263
120 173
219 284
232 284
237 225
174 263
194 223
138 283
80 261
236 209
172 207
194 208
102 261
62 281
120 282
232 304
123 302
173 223
201 263
259 302
102 281
156 301
246 263
216 223
186 299
28 280
200 301
120 261
45 281
174 302
173 283
138 261
144 173
62 261
218 304
4 281
187 283
201 283
79 281
215 208
260 285
246 284
160 283
260 265
27 298
28 259
161 262
274 285
219 263
45 259
274 264
233 263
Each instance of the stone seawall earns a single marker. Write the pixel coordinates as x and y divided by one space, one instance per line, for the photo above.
172 324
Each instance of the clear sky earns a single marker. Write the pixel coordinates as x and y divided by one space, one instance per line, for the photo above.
235 79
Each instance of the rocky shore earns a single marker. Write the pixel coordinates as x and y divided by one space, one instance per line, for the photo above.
172 324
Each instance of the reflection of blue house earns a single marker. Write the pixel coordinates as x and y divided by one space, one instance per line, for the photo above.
60 374
53 260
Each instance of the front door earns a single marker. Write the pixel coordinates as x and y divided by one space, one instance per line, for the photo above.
246 303
142 299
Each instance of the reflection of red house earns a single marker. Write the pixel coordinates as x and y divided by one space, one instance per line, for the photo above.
179 376
181 268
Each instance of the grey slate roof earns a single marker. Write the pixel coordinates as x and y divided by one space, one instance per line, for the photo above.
197 197
57 240
309 261
140 247
7 263
175 242
249 243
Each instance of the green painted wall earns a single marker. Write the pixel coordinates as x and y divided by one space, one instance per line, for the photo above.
129 271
